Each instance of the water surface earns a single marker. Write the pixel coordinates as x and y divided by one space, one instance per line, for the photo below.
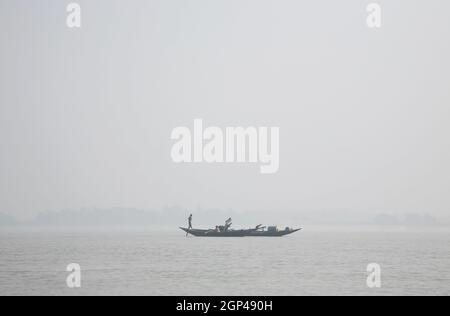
145 262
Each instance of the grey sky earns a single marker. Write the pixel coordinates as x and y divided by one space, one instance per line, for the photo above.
86 115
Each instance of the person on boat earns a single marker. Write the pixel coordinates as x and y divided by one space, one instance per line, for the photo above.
189 223
227 224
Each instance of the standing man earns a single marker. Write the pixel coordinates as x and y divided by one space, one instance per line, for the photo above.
190 224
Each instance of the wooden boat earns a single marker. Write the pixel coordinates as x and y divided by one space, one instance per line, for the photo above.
258 231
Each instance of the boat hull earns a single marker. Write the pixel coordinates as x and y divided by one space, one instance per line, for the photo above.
238 233
278 233
213 233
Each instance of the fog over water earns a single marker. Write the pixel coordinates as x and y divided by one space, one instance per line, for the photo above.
86 114
87 177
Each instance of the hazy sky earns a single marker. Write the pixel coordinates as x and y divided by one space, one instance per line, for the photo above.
86 114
